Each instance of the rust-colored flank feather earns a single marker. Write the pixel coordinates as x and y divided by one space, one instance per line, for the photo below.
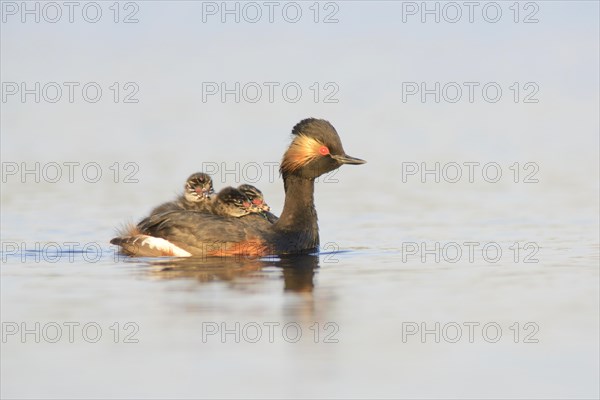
303 150
247 248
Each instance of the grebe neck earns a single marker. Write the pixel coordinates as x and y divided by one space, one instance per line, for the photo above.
299 212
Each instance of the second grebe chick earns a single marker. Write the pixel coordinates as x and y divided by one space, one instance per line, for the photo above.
230 202
257 198
196 195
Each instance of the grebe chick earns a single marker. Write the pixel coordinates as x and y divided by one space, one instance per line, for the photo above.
196 195
257 198
231 202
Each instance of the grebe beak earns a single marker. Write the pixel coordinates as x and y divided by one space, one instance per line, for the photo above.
346 159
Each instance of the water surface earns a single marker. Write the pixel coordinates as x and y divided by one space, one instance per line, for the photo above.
401 302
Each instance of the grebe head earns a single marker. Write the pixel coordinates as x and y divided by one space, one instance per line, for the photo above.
232 202
315 149
198 187
255 196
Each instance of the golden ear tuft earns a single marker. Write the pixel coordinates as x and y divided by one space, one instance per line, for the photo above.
302 151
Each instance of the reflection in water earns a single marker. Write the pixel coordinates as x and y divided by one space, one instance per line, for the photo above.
298 270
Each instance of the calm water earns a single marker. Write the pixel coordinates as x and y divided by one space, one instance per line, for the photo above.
422 288
367 292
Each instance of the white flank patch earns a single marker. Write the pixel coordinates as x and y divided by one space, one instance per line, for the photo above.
165 246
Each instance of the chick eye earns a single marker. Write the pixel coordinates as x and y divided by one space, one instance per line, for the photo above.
323 150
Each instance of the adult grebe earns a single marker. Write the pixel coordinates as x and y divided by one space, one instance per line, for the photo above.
315 149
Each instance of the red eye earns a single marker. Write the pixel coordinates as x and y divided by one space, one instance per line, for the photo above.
246 204
324 150
257 201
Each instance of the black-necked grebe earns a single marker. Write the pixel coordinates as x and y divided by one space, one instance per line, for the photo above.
196 195
315 149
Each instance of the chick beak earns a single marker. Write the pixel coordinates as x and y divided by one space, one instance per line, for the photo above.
346 159
203 192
